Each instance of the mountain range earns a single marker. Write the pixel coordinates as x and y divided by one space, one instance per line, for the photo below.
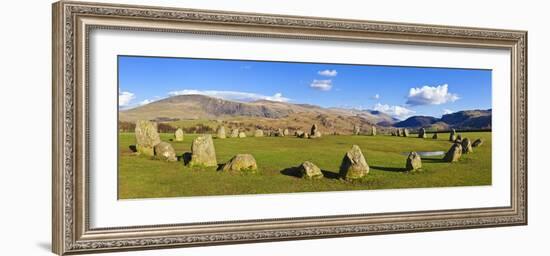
272 115
464 120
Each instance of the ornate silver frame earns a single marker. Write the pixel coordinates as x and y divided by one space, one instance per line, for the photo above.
72 22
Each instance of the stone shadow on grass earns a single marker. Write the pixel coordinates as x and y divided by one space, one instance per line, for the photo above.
291 171
389 169
185 157
330 175
432 160
295 172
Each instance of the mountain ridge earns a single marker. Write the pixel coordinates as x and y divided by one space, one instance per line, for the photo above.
265 112
465 119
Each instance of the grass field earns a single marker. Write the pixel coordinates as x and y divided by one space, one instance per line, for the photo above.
143 177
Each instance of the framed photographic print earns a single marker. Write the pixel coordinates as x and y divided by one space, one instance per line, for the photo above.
179 127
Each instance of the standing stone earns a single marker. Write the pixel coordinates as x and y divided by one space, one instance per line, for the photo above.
235 133
434 136
310 171
258 133
299 133
146 137
178 135
373 131
203 152
405 132
354 165
392 133
454 153
466 146
458 138
280 132
422 133
356 130
314 132
452 136
286 132
241 163
242 135
221 132
477 143
165 151
414 162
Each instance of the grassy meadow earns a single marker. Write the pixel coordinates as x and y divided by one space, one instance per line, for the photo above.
144 177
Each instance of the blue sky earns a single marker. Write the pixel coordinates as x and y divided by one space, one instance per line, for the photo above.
398 91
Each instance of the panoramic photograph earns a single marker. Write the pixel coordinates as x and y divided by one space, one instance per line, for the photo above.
213 127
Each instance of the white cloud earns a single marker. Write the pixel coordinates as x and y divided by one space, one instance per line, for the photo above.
398 112
430 95
376 97
232 95
124 98
328 72
322 85
447 111
145 102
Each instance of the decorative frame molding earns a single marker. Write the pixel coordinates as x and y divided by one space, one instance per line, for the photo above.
72 22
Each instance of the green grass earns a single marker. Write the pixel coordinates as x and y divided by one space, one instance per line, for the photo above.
143 177
213 124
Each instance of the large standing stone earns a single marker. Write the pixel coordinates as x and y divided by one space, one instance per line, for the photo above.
434 136
286 132
454 153
203 152
466 146
258 133
221 132
310 171
356 130
235 133
315 133
178 135
165 151
452 136
405 132
458 138
373 131
242 135
354 165
477 143
146 137
280 133
241 163
414 162
422 133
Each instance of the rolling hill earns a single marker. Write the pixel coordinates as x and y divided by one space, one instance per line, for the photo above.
262 113
273 115
464 120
